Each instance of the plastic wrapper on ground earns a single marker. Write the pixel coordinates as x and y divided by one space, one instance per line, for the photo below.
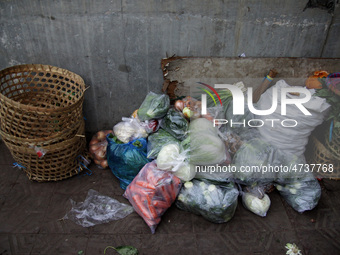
97 209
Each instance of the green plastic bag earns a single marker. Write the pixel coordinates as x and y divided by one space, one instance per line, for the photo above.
154 106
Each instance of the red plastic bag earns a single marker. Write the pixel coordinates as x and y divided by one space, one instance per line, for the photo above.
152 192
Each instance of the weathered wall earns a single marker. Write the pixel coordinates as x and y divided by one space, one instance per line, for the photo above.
117 46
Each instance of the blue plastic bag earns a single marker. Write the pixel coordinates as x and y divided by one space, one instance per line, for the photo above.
126 159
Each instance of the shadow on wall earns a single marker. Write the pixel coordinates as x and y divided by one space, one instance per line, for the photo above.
322 4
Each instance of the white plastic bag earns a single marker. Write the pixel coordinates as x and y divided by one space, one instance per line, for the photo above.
129 129
290 139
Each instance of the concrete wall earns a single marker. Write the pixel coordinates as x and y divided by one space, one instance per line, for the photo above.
117 46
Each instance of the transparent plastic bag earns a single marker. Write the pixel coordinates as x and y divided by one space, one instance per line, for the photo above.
97 209
129 129
40 151
204 144
154 106
150 126
253 160
152 192
214 201
126 159
175 124
173 158
233 141
302 194
256 200
157 140
97 148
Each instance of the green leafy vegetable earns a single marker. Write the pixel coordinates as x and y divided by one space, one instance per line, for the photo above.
154 106
157 140
175 124
331 98
225 95
301 194
123 250
186 172
206 147
214 201
226 98
254 154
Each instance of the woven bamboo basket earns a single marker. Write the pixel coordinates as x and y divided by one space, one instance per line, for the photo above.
39 101
62 159
334 144
321 155
11 140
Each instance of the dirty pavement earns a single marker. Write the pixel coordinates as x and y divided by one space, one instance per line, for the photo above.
31 213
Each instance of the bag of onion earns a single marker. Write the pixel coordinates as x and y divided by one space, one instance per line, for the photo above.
97 148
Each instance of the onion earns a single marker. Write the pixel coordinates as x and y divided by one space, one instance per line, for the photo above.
187 112
93 141
100 154
104 164
94 147
97 162
188 101
100 135
108 132
179 105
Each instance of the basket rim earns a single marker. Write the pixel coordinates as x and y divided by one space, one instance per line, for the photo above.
41 67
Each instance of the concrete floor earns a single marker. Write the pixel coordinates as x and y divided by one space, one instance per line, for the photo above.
30 213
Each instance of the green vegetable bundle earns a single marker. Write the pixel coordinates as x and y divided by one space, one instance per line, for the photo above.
154 106
204 144
251 158
301 194
175 124
157 140
216 202
331 98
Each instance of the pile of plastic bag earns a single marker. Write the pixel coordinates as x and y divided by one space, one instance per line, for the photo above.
172 154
